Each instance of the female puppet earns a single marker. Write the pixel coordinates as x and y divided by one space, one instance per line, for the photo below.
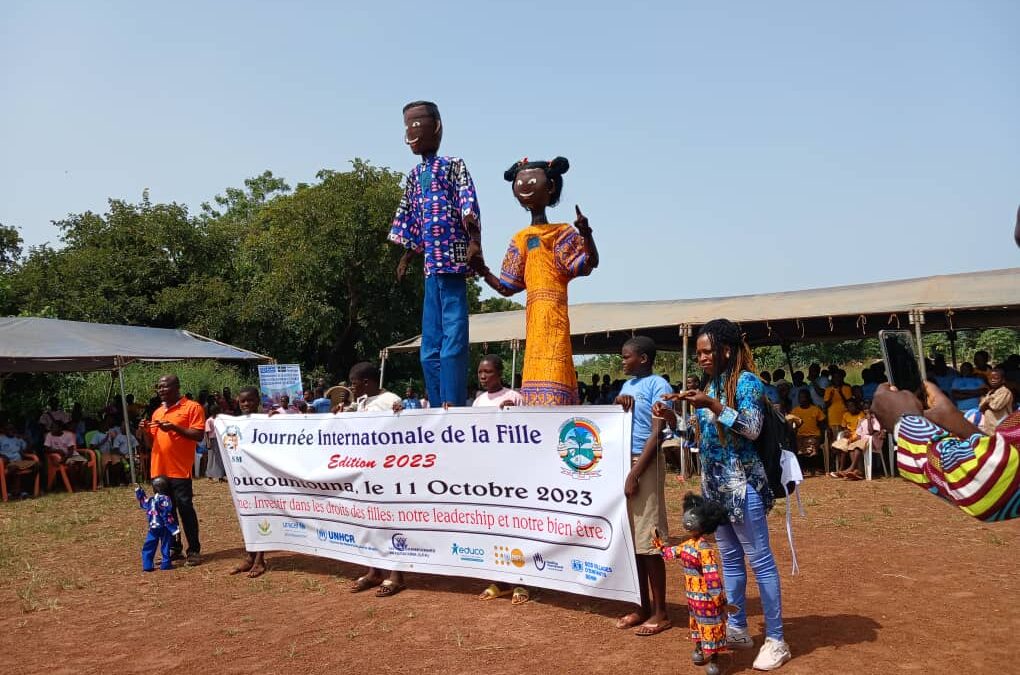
706 599
542 259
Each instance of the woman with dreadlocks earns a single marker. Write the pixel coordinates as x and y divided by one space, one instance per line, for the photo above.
730 411
542 259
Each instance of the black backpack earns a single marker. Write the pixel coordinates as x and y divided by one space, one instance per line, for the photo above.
773 439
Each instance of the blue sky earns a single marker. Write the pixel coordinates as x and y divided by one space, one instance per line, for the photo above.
717 148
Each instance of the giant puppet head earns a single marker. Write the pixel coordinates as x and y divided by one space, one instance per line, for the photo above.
423 127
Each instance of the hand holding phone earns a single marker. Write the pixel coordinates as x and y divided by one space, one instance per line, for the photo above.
901 365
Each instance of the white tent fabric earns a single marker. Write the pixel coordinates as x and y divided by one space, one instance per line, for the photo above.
976 300
54 345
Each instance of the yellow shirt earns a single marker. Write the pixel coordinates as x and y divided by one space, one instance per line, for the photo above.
850 422
811 419
837 404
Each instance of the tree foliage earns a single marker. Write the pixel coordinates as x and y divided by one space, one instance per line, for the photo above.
303 275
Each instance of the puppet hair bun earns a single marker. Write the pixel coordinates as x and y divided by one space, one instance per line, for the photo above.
553 168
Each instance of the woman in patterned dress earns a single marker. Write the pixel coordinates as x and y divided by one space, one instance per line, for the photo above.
542 259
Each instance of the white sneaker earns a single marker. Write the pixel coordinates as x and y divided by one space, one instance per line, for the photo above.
773 654
738 638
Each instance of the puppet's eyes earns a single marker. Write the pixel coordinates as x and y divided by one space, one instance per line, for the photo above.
532 181
416 124
520 182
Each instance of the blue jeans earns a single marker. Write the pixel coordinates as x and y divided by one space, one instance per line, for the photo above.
444 339
751 538
161 539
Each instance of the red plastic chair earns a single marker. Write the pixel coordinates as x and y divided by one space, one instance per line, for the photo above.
55 466
20 472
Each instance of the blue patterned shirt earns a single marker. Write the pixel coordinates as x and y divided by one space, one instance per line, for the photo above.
730 464
437 194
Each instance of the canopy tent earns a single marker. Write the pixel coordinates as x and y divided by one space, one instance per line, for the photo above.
34 345
947 302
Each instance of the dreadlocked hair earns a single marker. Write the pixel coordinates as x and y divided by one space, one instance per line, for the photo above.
723 334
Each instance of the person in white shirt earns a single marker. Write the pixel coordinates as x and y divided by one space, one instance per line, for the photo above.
370 397
492 392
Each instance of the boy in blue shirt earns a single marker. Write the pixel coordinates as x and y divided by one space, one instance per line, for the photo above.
645 484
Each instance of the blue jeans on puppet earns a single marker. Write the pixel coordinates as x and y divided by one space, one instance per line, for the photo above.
162 524
162 538
751 539
444 339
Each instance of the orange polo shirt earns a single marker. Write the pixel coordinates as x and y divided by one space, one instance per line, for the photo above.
173 455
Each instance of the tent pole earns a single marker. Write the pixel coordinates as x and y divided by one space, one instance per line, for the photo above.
514 346
952 347
789 359
685 335
127 422
383 355
917 318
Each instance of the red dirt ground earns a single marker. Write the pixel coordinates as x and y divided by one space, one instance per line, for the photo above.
892 580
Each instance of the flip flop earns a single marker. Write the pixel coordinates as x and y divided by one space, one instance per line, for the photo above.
364 583
493 592
388 588
629 621
520 596
650 629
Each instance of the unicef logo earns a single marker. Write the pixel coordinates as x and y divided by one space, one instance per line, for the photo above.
580 446
399 542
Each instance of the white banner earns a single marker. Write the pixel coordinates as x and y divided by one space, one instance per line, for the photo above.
530 496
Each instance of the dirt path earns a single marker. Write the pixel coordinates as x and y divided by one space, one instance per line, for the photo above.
892 580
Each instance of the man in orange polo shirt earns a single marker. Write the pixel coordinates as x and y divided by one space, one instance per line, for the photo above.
173 434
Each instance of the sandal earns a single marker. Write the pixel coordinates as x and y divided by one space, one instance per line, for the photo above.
389 588
629 621
365 583
520 596
493 592
650 629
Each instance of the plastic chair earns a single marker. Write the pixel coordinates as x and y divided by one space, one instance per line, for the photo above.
868 458
54 466
20 472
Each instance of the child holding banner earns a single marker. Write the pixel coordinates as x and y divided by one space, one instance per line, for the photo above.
370 397
254 564
646 484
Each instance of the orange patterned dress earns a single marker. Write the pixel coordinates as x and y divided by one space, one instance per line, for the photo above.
706 599
542 259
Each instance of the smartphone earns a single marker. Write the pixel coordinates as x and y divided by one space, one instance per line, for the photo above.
901 366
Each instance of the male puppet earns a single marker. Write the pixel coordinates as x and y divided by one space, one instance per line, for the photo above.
438 217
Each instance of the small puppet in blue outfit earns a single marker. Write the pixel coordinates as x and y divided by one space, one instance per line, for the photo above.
162 524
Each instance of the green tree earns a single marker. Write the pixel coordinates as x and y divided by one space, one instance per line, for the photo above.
10 256
306 276
112 266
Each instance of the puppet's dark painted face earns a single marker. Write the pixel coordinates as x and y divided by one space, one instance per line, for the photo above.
693 522
422 131
533 189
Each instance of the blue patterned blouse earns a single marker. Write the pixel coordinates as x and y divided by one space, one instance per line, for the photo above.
730 464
